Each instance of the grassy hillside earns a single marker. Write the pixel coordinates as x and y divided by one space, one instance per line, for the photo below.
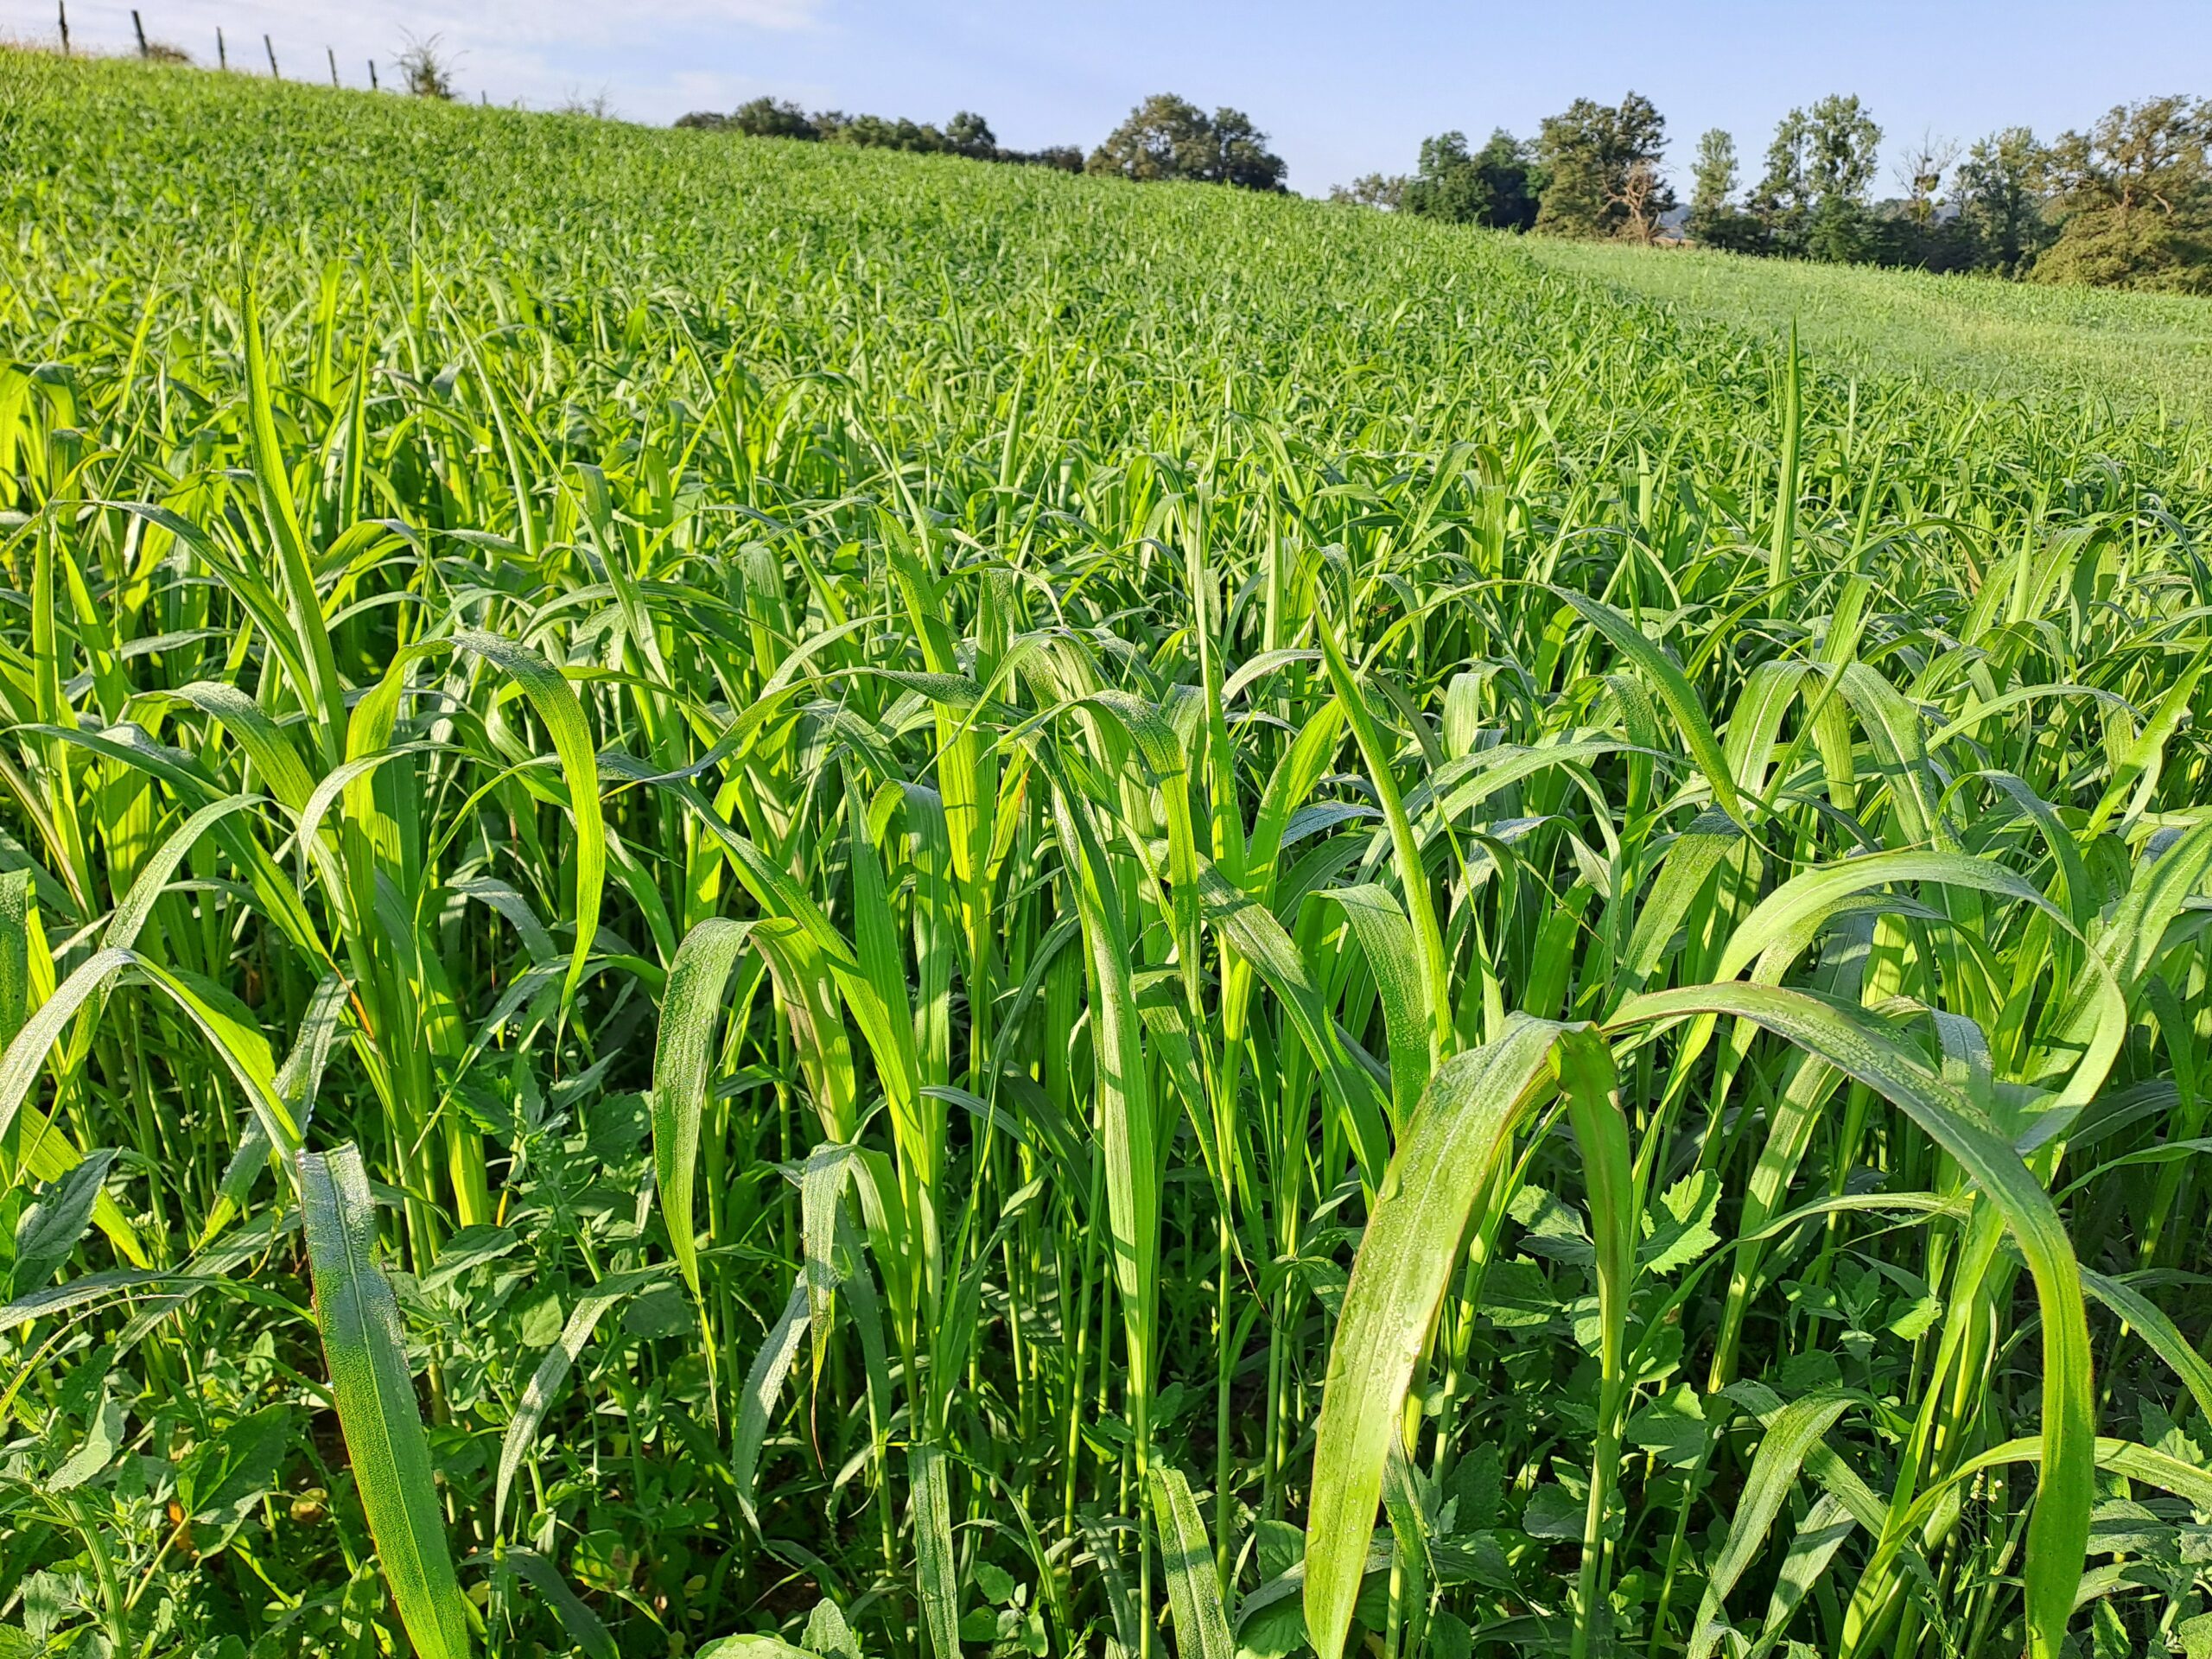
752 894
2094 348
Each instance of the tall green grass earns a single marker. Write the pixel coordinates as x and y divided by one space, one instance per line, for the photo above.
751 896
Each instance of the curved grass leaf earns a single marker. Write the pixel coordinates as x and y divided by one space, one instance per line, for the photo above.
1406 1258
552 1370
2058 1534
1791 1433
682 1057
1675 691
375 1397
585 1628
1202 1626
555 700
1413 876
763 1383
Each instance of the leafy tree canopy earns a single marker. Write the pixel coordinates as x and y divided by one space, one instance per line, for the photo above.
1601 169
1812 199
769 118
2136 191
1167 137
2001 189
1716 220
1373 190
967 134
1493 186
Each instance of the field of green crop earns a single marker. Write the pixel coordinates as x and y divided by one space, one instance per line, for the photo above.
759 898
2093 348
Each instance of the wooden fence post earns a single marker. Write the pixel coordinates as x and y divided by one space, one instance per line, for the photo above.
334 64
271 47
63 5
372 74
138 29
222 52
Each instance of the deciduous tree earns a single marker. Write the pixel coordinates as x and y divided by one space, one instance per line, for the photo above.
770 117
1812 199
1491 186
1920 175
1715 220
2003 190
2136 192
1509 166
1373 190
1169 137
1601 169
1446 183
969 134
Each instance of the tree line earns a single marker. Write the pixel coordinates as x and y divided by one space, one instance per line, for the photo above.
2127 203
967 134
1165 137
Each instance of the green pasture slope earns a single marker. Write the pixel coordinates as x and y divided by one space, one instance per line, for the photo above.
755 892
2093 348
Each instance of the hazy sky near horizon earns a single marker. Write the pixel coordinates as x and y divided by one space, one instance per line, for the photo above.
1344 90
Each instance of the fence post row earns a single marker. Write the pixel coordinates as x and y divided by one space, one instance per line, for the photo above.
222 46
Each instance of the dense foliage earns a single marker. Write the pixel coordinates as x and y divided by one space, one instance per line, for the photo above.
1600 168
2126 204
759 889
1168 139
967 134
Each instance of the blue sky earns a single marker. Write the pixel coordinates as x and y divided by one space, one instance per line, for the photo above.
1345 89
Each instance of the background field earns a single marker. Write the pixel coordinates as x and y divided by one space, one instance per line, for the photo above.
2095 349
935 909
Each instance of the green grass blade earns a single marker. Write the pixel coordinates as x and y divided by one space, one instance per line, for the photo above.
555 700
1411 872
15 953
585 1628
324 690
1675 691
2159 1333
1387 940
929 1480
763 1386
1584 1067
552 1370
1790 1434
1202 1630
375 1398
1406 1258
2058 1534
689 1012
